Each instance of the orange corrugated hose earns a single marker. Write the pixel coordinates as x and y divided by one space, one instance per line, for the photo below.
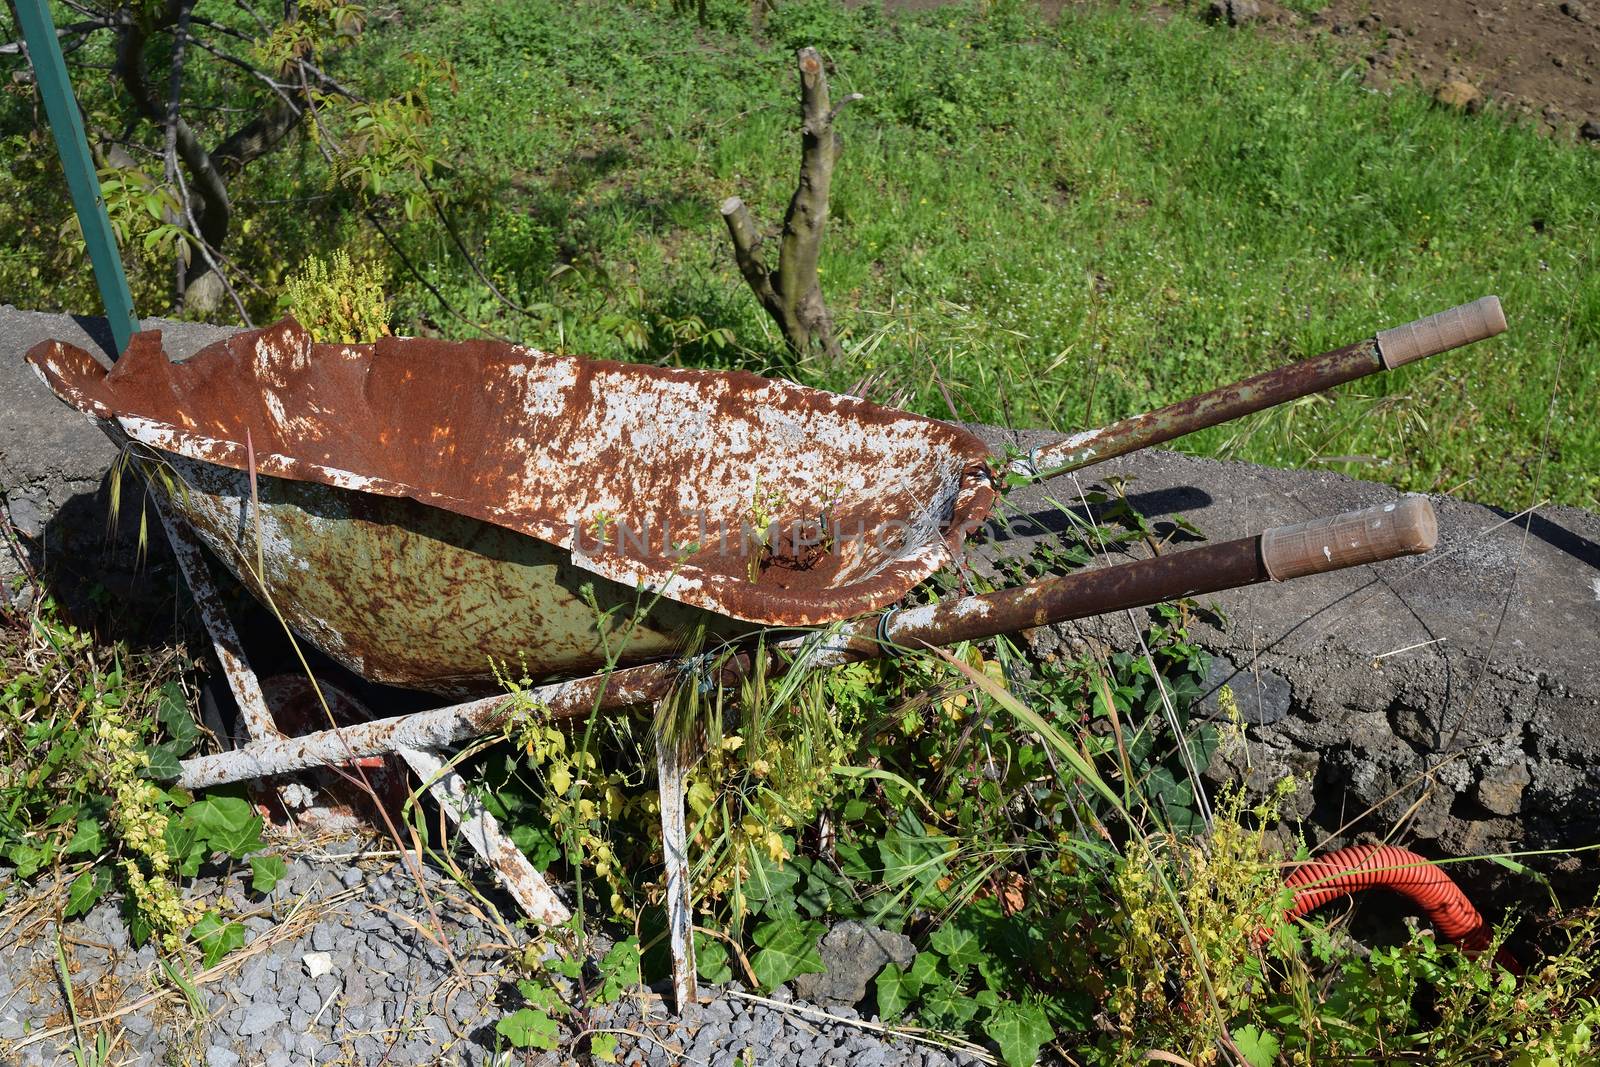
1346 870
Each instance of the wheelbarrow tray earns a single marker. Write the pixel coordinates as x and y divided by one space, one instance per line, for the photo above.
425 507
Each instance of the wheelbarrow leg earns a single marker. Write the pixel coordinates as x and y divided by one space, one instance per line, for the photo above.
671 767
242 679
526 885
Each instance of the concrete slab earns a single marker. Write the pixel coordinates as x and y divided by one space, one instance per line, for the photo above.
53 465
1451 699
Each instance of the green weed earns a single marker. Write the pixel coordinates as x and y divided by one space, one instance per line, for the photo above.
91 738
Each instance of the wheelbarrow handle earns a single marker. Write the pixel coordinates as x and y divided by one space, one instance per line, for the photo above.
1462 325
1403 528
1483 318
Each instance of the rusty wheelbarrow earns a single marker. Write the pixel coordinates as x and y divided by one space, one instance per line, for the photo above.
420 510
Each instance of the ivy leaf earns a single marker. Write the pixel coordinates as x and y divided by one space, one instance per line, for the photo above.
528 1028
27 859
827 892
909 851
944 1001
265 872
924 970
86 838
538 844
771 885
138 925
711 960
216 938
958 945
1257 1045
228 824
86 889
163 762
172 711
788 947
183 843
1020 1031
896 991
861 862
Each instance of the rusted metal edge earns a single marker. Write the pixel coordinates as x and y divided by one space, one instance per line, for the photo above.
527 886
1207 569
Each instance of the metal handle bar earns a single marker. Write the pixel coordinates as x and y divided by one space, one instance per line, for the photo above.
1458 326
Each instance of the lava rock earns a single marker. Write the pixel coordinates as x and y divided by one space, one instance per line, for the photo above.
1500 788
1590 130
1460 95
1262 696
1233 12
853 953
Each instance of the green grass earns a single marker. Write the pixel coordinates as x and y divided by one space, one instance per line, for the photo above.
1052 225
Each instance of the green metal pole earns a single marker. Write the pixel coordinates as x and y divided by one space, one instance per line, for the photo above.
44 51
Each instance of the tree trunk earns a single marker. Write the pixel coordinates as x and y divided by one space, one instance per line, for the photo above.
792 294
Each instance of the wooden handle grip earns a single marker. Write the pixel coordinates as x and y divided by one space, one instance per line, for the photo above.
1405 528
1439 333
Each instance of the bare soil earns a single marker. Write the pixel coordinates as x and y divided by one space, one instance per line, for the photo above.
1538 58
1532 59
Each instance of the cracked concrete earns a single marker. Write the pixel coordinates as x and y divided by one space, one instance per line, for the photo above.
1455 696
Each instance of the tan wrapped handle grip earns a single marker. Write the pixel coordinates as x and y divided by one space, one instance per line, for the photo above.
1440 333
1405 528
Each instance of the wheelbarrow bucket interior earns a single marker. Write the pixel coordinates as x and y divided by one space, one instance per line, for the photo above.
756 499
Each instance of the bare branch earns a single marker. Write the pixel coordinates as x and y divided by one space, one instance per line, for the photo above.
434 201
280 88
77 29
394 246
747 250
205 249
215 210
807 216
180 38
841 105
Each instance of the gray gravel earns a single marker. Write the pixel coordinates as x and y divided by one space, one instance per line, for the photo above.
389 993
791 1033
337 970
